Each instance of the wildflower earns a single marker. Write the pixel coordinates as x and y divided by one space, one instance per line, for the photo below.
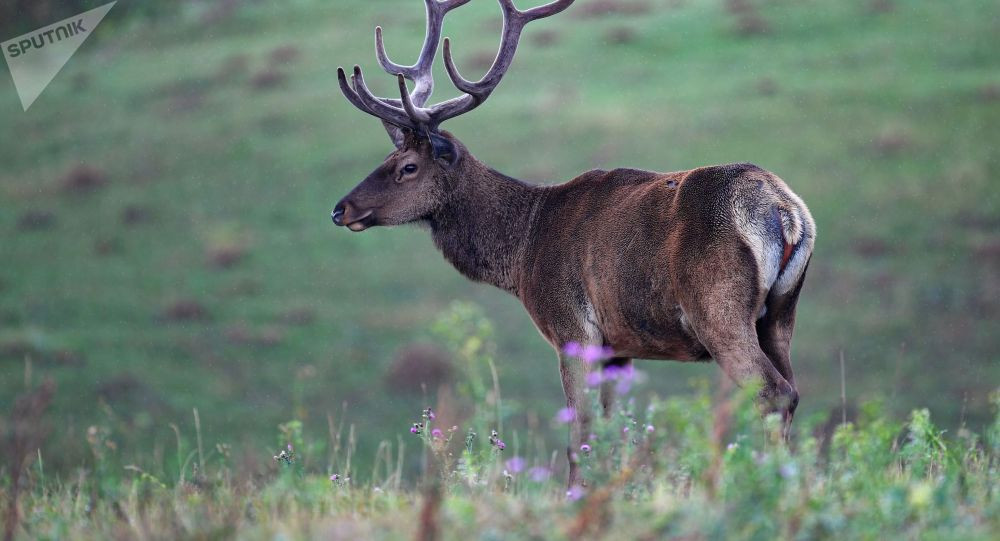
593 353
595 378
732 446
573 349
338 480
417 428
566 415
649 429
585 448
539 474
285 457
625 430
496 441
515 464
428 414
436 433
574 493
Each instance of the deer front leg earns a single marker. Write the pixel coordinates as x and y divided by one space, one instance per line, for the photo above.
573 372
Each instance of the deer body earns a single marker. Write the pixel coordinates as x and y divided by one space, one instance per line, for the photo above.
688 266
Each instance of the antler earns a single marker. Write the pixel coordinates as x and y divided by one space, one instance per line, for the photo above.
420 71
409 112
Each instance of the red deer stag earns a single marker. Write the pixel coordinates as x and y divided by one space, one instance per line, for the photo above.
691 265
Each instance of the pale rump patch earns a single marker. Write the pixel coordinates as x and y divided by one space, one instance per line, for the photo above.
793 270
765 251
780 261
803 231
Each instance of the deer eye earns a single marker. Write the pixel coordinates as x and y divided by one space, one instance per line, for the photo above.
410 168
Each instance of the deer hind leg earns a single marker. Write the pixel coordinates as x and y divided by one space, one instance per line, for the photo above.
774 330
721 306
609 385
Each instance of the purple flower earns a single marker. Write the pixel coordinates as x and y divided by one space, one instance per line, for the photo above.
437 433
515 464
573 349
594 378
289 447
625 429
574 493
649 429
566 415
334 478
539 474
495 440
593 353
585 448
623 377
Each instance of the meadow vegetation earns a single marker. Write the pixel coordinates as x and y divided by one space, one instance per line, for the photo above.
689 467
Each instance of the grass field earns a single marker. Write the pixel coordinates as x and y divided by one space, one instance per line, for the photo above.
676 469
166 243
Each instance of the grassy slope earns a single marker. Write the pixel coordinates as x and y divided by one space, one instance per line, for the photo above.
882 122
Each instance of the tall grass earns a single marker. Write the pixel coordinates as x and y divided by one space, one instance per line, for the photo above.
693 467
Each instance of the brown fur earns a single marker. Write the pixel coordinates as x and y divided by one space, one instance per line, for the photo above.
653 265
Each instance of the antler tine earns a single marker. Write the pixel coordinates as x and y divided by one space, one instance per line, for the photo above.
418 114
546 9
420 72
374 105
513 22
353 97
349 92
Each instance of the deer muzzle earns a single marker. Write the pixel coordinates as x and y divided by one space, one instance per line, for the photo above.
344 214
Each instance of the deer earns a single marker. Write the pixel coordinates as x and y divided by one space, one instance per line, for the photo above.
696 265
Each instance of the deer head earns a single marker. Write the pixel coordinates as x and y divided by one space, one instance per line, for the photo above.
414 179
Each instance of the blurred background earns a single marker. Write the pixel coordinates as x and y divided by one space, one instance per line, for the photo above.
164 205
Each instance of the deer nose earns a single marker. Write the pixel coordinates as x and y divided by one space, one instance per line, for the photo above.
338 214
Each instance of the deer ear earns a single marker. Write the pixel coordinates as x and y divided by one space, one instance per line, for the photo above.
443 149
396 134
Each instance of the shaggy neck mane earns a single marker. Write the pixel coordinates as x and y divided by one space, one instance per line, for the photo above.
484 224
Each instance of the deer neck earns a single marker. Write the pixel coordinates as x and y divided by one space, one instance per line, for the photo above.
484 224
